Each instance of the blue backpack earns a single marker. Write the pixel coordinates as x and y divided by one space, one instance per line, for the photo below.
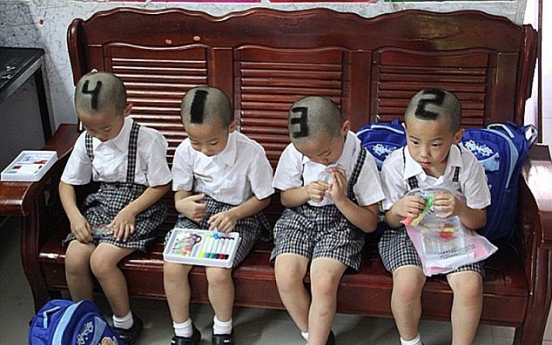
68 323
501 149
382 138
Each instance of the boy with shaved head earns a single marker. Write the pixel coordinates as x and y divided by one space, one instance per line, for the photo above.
432 158
222 181
330 187
129 161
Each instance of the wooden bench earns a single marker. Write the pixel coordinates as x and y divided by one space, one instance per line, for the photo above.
265 60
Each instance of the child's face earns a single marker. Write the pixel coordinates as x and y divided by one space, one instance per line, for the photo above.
324 149
429 142
104 126
209 138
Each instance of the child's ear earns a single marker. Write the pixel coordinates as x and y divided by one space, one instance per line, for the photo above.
345 127
127 110
458 135
233 126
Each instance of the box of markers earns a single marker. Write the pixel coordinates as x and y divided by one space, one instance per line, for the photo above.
201 247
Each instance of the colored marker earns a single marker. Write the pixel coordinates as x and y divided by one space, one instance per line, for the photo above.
208 246
225 249
218 252
214 251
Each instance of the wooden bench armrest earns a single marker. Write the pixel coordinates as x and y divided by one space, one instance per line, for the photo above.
17 198
536 177
535 240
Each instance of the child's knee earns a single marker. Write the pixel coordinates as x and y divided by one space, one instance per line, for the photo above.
219 276
408 283
175 271
467 285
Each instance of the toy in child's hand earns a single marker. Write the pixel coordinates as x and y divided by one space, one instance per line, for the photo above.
101 231
427 208
326 174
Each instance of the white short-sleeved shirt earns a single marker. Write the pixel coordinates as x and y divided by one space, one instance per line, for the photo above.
232 176
397 169
295 170
110 159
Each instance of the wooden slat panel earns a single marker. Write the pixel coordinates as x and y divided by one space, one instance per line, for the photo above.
269 80
398 74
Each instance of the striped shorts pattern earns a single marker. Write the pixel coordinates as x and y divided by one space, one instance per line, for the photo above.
100 209
315 232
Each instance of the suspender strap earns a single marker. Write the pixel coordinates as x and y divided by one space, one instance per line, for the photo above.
88 146
132 150
356 173
412 180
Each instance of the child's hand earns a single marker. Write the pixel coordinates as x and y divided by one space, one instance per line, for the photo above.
409 206
192 207
445 204
81 230
223 221
123 225
316 190
339 184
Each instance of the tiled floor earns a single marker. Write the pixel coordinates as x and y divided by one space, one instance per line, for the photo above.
253 326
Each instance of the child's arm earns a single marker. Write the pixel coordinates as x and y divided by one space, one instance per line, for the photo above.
79 225
447 205
123 223
363 217
190 205
226 221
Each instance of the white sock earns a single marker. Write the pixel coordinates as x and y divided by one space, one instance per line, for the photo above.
220 327
183 329
305 335
415 341
124 322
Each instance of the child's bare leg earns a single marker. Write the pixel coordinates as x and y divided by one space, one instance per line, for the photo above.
406 300
104 262
290 270
77 270
325 276
467 305
221 292
177 289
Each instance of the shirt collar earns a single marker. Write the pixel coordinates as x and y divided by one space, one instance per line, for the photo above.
412 168
122 139
349 146
228 155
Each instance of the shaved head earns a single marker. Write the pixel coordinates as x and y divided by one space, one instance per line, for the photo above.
206 104
313 116
99 92
436 105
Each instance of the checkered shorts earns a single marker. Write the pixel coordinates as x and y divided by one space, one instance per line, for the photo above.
100 209
249 228
316 232
396 250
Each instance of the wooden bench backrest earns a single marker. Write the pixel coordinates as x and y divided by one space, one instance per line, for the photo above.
266 59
